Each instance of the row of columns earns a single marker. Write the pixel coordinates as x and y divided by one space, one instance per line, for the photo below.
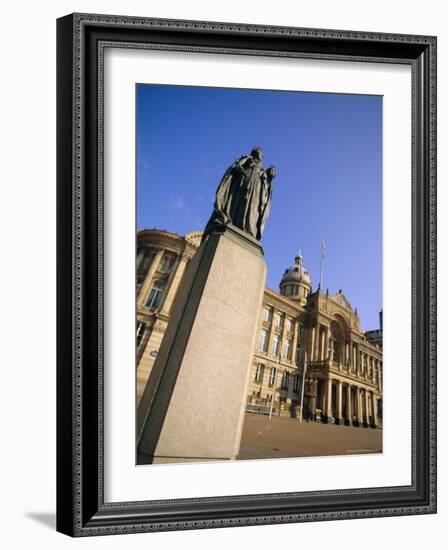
362 409
321 347
319 342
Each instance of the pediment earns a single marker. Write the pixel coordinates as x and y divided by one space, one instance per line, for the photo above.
342 301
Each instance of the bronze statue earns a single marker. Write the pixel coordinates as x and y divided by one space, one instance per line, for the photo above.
243 197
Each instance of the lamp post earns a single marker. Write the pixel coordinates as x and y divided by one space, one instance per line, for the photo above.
273 387
303 386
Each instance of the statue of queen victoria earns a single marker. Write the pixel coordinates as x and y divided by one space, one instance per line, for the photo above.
243 197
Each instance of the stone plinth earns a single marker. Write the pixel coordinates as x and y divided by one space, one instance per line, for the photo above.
193 405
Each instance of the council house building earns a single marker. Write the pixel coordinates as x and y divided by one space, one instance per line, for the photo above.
310 349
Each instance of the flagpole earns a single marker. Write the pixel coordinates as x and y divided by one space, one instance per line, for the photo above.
322 257
305 361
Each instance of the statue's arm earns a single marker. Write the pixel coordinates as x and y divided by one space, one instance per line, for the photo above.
234 169
242 165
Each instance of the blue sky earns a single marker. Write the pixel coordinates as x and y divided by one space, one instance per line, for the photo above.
327 150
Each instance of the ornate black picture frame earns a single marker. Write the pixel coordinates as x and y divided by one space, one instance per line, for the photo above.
81 509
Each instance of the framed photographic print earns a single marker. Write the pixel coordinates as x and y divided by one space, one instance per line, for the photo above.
246 274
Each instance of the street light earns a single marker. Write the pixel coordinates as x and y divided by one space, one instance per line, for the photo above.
273 387
303 386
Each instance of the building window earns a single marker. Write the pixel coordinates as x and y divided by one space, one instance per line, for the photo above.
278 320
275 344
285 381
287 351
295 384
140 332
266 314
289 325
146 260
155 295
259 373
263 340
272 376
143 266
167 263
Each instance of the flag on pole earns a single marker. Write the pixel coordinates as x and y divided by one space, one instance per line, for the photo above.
323 249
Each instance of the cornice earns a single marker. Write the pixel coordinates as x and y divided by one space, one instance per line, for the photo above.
293 306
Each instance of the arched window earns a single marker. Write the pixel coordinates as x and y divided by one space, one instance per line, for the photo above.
275 344
167 263
145 262
267 314
259 373
146 257
155 295
263 340
287 350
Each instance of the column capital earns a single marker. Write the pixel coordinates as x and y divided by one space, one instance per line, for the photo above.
158 250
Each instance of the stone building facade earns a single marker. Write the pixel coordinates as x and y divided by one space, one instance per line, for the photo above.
162 258
310 349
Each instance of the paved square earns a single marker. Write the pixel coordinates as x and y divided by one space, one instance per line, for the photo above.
287 437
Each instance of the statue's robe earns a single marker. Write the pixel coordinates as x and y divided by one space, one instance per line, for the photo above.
242 198
225 208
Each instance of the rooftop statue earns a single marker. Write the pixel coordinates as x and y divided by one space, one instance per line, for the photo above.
243 197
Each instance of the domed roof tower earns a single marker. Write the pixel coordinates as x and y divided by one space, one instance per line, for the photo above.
296 281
